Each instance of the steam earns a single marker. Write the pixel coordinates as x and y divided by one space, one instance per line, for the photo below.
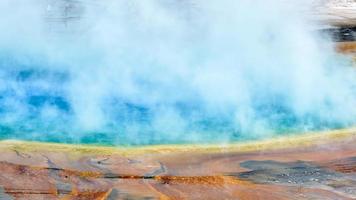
167 71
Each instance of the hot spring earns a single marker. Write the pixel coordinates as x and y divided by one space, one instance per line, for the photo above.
131 72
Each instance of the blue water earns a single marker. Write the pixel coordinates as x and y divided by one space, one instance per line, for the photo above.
133 72
28 90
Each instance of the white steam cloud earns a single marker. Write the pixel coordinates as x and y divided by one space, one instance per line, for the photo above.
156 71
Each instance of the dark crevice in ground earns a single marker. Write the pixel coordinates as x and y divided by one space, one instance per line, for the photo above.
342 34
299 173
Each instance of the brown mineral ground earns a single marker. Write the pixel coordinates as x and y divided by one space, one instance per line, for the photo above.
334 12
311 166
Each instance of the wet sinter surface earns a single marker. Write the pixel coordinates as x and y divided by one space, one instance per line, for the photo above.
313 168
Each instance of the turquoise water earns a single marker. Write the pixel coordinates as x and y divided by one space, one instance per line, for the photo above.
133 72
31 92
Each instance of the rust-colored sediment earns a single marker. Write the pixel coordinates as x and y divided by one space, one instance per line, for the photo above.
347 48
316 166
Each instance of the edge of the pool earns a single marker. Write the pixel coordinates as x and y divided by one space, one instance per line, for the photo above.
274 143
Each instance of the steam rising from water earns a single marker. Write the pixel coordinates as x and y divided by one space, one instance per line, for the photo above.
142 72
